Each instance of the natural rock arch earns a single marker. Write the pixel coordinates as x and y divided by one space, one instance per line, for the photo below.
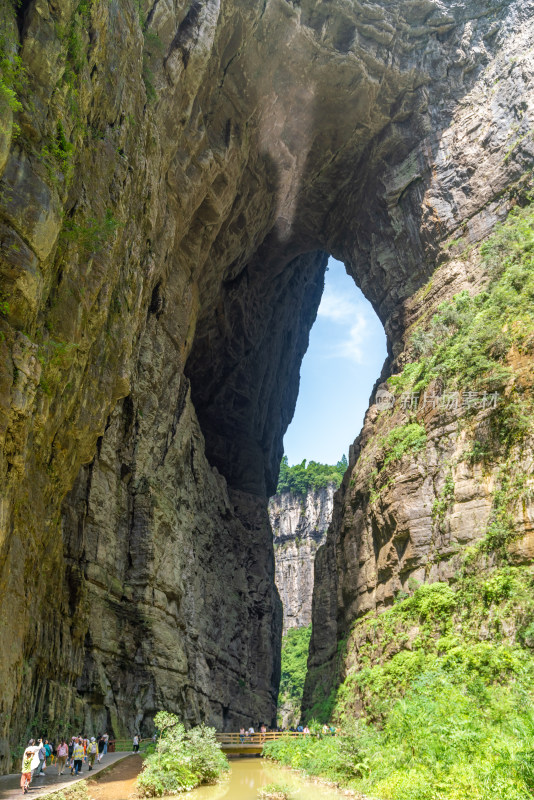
195 228
378 152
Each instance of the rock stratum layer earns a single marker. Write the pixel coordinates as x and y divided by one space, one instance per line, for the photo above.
299 524
172 176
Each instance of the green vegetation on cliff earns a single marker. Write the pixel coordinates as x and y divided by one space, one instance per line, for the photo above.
11 77
295 645
481 629
442 682
183 759
485 343
400 441
301 478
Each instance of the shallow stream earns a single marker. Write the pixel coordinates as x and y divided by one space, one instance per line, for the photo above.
248 775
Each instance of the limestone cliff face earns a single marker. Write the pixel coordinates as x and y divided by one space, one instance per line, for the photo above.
299 525
172 177
459 501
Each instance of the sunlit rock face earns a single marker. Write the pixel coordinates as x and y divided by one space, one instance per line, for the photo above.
169 191
299 524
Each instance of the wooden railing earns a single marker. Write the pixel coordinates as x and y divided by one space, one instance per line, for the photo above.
255 738
124 745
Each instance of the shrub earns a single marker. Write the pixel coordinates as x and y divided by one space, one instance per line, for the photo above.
91 237
182 759
335 758
403 439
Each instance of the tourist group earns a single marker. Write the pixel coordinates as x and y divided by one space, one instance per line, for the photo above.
38 755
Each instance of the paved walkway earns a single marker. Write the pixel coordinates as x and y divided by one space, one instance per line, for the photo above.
10 784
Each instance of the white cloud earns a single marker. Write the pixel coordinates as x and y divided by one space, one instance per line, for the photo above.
343 311
336 307
352 347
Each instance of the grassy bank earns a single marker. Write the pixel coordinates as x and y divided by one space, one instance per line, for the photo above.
445 740
437 700
78 791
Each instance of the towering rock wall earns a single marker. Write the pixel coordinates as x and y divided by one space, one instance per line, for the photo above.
440 484
172 176
299 524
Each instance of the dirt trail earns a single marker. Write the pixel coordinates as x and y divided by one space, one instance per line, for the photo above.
118 783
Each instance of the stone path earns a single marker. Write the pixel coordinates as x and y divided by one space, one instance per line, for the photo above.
10 784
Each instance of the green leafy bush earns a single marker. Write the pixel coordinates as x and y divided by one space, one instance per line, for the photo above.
300 478
444 500
295 645
182 759
335 758
403 439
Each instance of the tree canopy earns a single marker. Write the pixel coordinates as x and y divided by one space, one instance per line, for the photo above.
300 478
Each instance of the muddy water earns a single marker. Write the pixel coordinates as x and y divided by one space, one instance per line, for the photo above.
248 775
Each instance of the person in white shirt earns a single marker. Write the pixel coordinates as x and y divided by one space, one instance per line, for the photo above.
30 761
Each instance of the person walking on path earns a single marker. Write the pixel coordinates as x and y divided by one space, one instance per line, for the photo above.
30 759
136 743
105 738
242 735
92 750
100 748
77 756
62 753
70 751
40 770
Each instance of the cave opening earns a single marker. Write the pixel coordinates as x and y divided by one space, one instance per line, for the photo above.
346 350
345 354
